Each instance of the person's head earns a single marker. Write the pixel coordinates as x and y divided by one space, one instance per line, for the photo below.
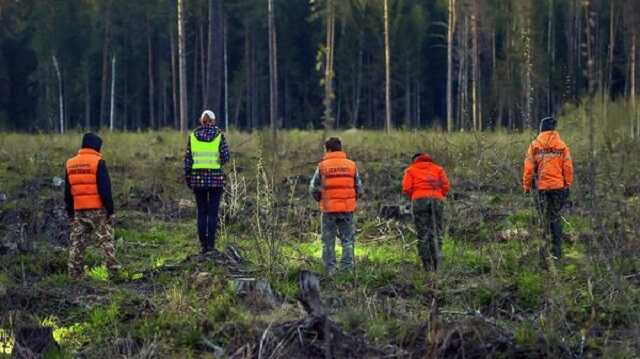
208 118
333 144
421 155
548 124
92 141
415 157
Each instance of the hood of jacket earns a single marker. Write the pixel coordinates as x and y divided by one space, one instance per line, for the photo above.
550 139
423 159
207 133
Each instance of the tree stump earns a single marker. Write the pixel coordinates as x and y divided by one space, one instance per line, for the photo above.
33 342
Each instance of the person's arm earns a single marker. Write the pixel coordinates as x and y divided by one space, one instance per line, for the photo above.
445 182
529 169
68 198
407 184
104 187
567 168
358 183
188 163
225 154
315 186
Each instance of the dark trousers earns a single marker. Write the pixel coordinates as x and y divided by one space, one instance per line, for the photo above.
428 215
550 204
208 201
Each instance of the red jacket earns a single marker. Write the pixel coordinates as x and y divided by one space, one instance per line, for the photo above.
549 159
425 179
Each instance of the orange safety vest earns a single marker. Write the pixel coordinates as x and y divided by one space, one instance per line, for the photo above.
338 176
82 171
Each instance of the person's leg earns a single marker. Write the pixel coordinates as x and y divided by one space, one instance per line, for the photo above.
103 231
329 229
202 204
346 232
437 232
556 202
421 221
78 238
215 196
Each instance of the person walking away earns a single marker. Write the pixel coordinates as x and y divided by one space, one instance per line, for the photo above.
548 160
207 151
89 206
336 185
427 185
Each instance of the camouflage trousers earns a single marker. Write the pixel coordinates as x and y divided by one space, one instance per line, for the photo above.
428 215
91 227
340 225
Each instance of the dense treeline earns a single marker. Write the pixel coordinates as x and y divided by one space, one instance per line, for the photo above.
456 64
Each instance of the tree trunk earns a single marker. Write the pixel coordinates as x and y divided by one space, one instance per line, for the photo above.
273 68
632 83
358 84
87 99
174 80
56 66
112 115
226 76
329 95
105 66
214 58
204 75
195 110
450 34
183 67
407 96
474 66
387 67
150 74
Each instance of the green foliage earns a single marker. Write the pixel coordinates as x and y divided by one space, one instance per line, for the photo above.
530 288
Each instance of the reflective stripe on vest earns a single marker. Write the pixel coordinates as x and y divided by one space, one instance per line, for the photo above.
206 155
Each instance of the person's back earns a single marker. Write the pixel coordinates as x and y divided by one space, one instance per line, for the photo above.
89 205
336 186
548 166
426 184
207 152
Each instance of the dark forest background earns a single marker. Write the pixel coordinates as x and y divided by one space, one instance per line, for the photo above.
96 63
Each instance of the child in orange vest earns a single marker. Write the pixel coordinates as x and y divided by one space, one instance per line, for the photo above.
336 185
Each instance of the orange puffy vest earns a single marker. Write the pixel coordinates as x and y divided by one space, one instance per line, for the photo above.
338 176
425 179
82 171
549 158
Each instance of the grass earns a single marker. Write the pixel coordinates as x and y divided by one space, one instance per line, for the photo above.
161 304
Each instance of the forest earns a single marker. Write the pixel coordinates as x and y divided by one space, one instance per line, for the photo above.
452 64
319 179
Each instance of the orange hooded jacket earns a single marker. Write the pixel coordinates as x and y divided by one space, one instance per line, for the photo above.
425 179
549 158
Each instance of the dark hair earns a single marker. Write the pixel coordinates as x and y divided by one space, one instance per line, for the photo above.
333 144
416 156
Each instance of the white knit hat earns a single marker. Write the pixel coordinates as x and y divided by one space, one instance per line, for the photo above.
209 114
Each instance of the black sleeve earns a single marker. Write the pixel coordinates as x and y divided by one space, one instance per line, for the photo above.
68 198
104 187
